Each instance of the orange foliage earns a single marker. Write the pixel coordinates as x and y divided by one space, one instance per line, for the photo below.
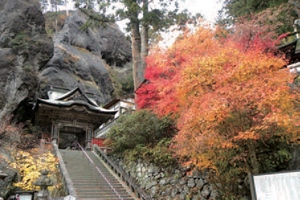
223 95
164 70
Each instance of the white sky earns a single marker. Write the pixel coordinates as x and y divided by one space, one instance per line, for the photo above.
208 8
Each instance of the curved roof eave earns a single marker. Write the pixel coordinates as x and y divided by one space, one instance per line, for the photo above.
72 92
71 103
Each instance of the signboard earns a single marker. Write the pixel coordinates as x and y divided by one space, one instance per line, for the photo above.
26 197
69 197
276 186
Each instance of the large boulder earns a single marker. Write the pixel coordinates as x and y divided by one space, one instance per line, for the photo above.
6 182
82 57
24 49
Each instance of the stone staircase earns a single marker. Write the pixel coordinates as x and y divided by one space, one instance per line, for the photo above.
91 179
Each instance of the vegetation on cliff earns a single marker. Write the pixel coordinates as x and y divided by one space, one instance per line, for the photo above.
278 15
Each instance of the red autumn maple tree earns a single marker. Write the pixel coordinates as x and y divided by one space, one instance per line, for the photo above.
164 71
232 104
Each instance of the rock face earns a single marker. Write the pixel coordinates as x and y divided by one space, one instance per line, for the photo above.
6 183
79 57
30 63
24 49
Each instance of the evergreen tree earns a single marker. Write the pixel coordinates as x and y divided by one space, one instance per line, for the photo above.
279 15
144 15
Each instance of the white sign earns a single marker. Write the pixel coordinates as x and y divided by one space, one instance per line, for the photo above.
277 186
25 196
69 197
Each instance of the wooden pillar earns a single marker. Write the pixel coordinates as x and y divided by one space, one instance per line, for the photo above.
55 133
88 140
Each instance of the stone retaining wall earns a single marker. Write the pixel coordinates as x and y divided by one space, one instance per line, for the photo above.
176 184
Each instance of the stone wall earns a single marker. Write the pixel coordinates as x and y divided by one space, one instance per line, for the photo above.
176 184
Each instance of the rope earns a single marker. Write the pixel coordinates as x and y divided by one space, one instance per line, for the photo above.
100 172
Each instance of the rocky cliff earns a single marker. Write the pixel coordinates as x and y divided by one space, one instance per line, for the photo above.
82 55
31 62
24 49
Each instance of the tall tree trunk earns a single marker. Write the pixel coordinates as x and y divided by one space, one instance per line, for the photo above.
56 16
144 41
136 50
254 164
67 9
135 44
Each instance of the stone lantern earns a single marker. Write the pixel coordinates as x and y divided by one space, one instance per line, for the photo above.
44 182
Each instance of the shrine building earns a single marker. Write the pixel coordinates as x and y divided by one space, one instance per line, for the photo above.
70 112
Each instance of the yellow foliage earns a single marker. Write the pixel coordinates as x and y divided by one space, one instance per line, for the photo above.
29 165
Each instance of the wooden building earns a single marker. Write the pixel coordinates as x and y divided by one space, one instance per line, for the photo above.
70 112
289 43
121 106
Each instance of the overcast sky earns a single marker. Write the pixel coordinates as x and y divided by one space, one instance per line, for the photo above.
208 8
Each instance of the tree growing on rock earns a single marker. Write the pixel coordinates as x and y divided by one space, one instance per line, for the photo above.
144 17
235 110
277 15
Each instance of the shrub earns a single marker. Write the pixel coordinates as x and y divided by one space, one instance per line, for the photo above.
9 132
122 81
29 164
143 135
20 41
139 128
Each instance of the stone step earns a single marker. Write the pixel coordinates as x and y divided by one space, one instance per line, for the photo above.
105 198
94 174
101 190
78 173
99 198
101 195
96 183
100 186
88 183
97 187
98 177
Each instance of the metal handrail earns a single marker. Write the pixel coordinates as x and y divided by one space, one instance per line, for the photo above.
100 172
128 180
